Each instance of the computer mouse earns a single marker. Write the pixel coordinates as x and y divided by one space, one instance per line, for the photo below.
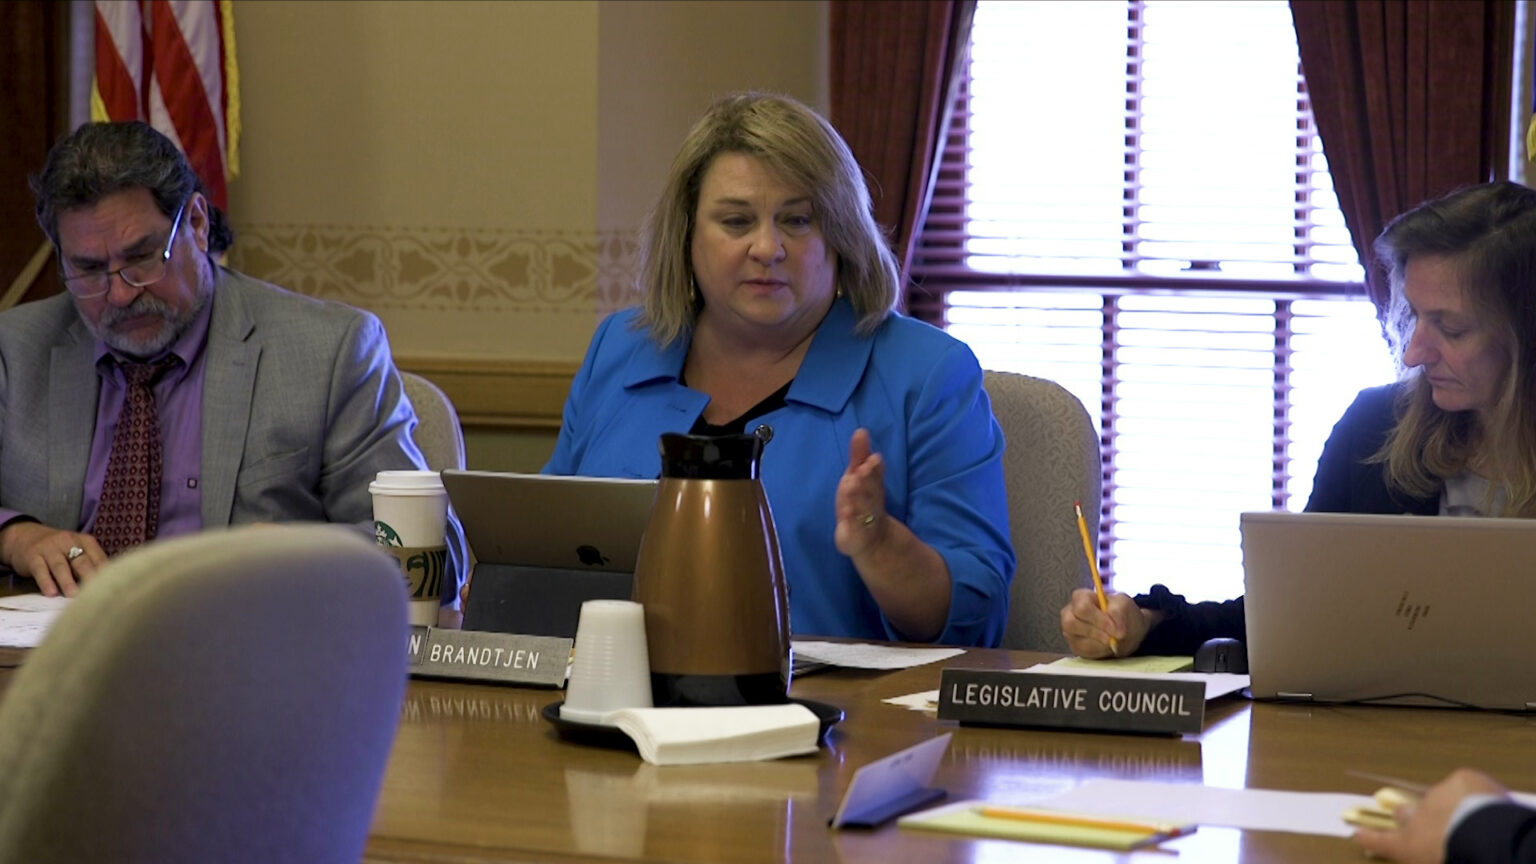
1222 655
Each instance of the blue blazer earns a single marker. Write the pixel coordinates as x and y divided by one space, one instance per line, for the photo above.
915 388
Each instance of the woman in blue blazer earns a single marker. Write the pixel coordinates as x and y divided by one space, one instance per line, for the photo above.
768 307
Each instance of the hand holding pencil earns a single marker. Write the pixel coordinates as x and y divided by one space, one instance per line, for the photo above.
1093 567
1089 629
1098 624
1094 621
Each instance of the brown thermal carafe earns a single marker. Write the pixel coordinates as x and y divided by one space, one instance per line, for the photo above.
711 578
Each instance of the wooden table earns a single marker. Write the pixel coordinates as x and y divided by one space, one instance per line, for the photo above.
477 775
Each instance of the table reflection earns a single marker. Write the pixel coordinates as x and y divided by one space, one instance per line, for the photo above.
1225 747
478 705
1018 766
624 810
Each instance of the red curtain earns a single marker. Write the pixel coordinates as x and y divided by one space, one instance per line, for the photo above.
33 67
893 70
1412 100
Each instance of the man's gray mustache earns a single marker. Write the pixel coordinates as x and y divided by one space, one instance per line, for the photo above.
144 305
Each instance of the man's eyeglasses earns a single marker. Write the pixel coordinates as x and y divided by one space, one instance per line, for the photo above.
141 272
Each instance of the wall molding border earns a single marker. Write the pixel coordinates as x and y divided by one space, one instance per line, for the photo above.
442 268
499 394
446 269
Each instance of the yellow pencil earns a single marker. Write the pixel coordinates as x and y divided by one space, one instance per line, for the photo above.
1054 817
1093 565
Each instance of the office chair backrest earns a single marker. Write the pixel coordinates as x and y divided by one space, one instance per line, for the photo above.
1052 461
230 696
439 435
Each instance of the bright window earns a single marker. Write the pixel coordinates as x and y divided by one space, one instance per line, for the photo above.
1134 203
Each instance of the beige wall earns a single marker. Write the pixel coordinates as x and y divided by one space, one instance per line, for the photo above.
474 172
661 63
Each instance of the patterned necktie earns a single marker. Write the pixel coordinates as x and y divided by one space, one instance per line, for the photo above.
130 496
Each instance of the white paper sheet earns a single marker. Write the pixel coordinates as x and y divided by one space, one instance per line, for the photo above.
1217 684
34 603
927 700
740 733
861 655
25 619
1249 809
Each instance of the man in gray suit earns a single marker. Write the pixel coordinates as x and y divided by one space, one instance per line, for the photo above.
163 394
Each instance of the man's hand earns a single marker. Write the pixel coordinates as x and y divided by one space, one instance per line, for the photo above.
1088 628
1420 835
41 553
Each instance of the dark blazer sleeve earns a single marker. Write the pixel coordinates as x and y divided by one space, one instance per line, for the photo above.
1186 625
1496 834
1346 480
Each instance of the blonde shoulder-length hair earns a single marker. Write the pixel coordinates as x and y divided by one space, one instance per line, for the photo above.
1489 233
805 152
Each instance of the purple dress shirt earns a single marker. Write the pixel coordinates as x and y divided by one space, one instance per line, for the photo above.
179 400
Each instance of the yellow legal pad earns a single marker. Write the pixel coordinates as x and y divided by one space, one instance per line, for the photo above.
1152 665
966 818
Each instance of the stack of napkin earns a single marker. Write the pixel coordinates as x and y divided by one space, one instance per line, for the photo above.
690 736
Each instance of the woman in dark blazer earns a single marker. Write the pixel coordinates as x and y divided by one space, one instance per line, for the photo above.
1455 437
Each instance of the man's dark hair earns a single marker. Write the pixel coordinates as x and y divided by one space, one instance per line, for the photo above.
99 159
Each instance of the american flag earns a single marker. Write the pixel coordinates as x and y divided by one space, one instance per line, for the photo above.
171 63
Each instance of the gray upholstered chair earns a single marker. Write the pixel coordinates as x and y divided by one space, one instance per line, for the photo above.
439 435
1051 463
230 696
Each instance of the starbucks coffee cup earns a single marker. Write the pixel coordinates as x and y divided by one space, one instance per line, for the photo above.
410 513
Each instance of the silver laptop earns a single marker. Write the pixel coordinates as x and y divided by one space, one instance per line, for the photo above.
544 544
1406 610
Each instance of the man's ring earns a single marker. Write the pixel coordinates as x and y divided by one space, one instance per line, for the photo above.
74 552
869 519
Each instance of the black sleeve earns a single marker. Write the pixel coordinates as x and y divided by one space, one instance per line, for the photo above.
1332 481
1348 480
1496 834
1186 625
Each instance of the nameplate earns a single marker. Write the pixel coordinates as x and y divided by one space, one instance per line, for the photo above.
995 698
476 655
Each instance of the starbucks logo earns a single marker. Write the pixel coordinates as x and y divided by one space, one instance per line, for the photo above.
385 535
422 567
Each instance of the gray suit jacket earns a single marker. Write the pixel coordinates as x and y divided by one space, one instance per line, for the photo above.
302 407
